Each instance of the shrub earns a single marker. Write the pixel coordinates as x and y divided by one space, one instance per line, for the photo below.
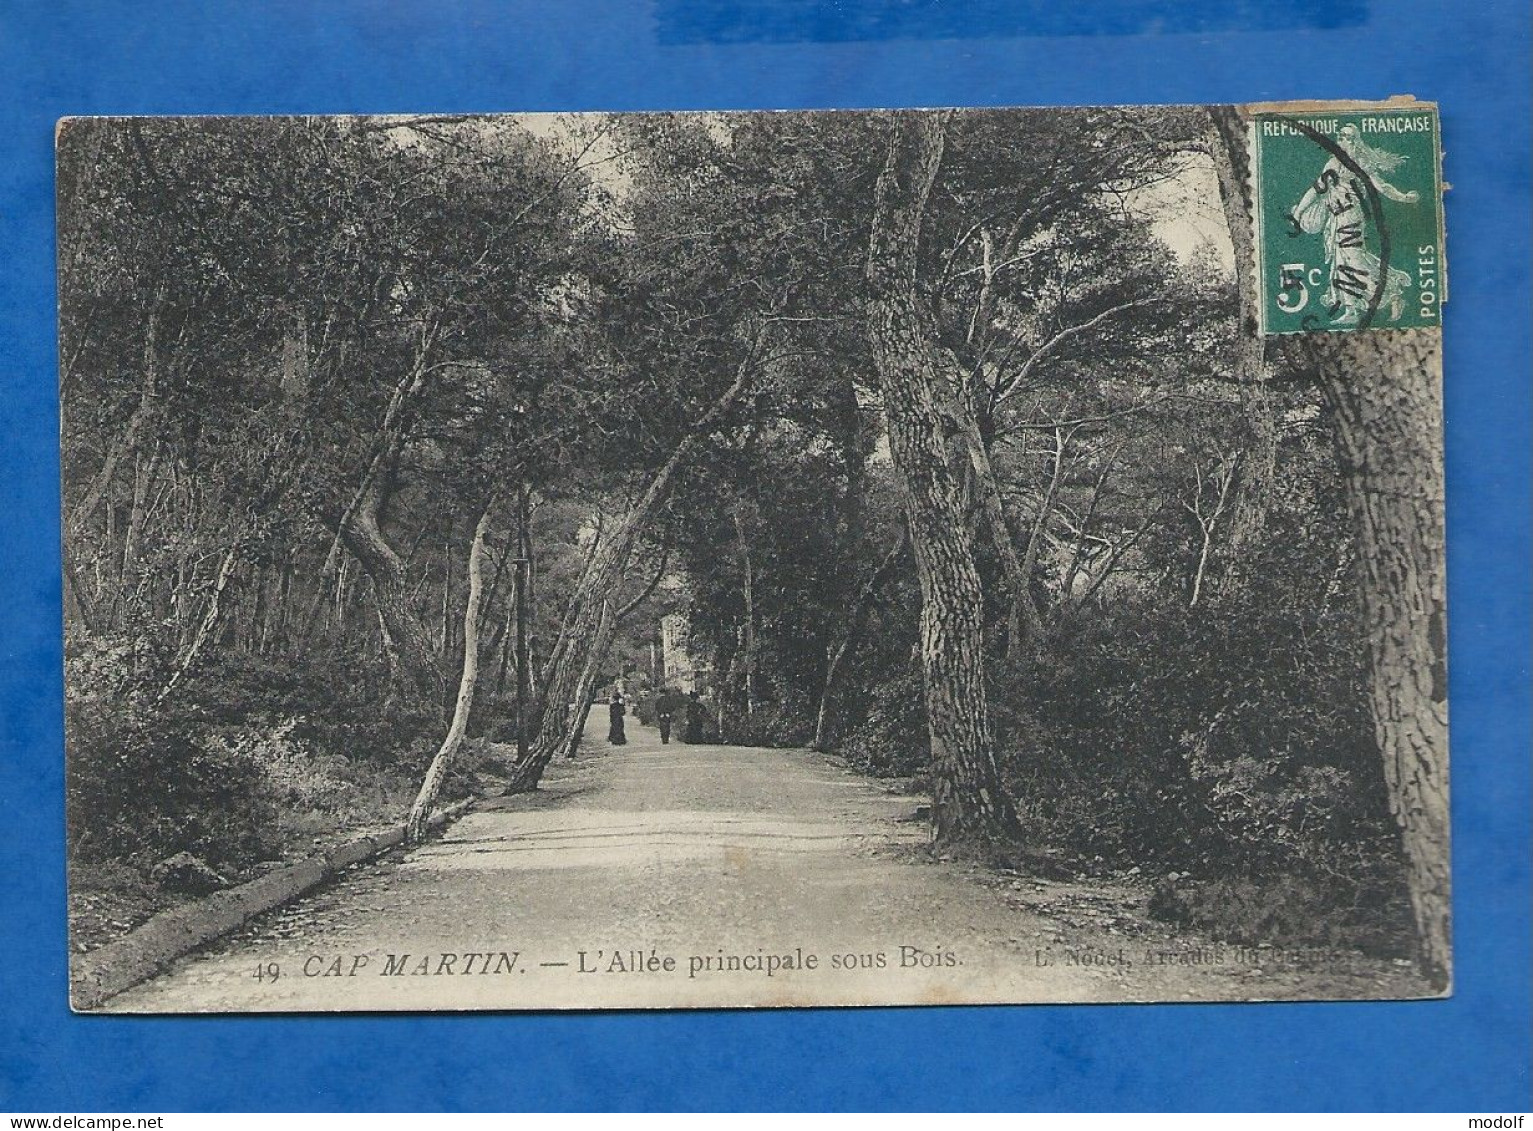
1231 737
242 760
770 724
145 788
1289 910
891 740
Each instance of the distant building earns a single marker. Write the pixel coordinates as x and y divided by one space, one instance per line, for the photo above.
680 668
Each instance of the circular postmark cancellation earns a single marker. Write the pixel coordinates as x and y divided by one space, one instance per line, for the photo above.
1348 219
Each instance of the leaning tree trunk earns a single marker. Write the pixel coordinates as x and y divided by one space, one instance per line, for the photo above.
1384 390
1024 623
596 655
585 687
836 653
569 677
209 620
431 785
1248 514
407 647
968 802
413 668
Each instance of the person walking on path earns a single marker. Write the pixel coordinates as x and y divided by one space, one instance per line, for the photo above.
665 713
694 731
616 709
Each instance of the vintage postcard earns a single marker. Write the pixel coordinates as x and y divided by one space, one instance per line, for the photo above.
754 559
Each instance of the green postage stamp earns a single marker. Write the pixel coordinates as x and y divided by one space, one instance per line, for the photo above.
1348 219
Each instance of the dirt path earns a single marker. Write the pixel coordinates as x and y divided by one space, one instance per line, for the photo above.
652 876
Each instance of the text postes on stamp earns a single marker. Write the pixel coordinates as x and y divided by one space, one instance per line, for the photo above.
1348 219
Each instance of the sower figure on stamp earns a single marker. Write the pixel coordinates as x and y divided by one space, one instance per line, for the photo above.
616 709
1337 206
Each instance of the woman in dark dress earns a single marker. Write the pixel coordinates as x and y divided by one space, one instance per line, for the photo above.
615 712
665 714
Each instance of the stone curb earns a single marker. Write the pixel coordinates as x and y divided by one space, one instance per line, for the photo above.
109 970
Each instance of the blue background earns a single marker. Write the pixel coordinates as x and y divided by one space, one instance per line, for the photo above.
1470 1053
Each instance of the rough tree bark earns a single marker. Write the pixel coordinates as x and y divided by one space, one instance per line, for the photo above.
1384 390
407 646
585 687
968 802
431 785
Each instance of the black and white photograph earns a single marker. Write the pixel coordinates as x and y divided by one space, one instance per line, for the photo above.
753 559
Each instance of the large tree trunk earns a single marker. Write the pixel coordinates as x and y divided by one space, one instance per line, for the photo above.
569 678
968 802
585 687
431 786
1384 389
406 644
